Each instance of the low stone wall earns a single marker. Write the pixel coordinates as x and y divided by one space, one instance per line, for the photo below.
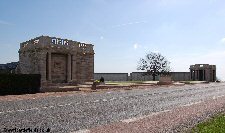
180 76
176 76
140 76
112 76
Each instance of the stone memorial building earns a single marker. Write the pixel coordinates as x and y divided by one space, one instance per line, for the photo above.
57 60
203 72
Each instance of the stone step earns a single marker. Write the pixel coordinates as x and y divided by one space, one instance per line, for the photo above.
59 88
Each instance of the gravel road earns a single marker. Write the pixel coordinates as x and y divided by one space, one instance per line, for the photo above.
91 112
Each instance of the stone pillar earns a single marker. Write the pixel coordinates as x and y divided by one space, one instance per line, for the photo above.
74 68
207 75
194 75
215 75
203 74
197 77
49 66
210 75
42 65
69 68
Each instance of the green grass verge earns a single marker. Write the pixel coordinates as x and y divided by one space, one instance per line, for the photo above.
129 82
214 125
124 81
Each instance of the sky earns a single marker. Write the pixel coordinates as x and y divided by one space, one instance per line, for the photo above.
186 32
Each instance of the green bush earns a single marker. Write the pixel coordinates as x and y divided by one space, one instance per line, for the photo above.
19 83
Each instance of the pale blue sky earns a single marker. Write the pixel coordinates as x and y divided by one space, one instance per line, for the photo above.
122 31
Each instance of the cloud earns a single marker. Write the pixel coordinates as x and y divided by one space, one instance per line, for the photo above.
222 40
5 23
136 45
101 37
155 51
130 23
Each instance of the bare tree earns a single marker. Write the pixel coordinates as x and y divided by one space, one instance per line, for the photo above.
154 64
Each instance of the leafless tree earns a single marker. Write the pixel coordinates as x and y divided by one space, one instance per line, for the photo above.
154 64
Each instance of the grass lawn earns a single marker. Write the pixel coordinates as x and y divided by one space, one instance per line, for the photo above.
214 125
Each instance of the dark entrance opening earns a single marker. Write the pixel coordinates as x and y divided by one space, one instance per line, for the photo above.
214 75
201 76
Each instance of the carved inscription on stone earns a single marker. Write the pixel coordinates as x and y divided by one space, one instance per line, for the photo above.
59 41
59 68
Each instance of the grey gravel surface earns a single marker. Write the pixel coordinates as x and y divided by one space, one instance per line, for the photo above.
89 110
179 119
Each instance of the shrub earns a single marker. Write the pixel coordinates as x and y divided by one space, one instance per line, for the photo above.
19 83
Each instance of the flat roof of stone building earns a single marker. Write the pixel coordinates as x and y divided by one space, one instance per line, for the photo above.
54 43
55 40
202 66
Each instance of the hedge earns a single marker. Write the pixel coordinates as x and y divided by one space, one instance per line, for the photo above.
14 84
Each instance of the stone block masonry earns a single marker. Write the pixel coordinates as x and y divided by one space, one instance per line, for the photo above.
140 76
203 72
112 76
57 60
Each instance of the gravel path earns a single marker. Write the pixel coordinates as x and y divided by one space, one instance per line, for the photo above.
119 110
180 119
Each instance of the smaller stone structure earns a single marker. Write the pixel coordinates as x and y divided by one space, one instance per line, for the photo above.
203 72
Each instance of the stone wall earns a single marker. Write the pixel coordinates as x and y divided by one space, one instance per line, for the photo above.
139 76
86 67
112 76
180 76
176 76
